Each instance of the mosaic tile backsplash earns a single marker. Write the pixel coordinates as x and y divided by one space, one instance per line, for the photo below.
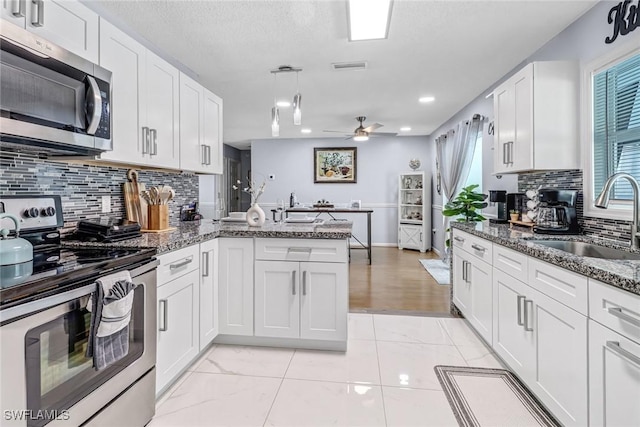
82 186
572 180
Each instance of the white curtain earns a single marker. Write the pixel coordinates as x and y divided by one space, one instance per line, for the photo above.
455 153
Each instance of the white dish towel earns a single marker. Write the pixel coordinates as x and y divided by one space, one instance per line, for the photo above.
116 314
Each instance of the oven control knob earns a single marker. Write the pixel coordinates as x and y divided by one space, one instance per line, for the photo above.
50 211
32 213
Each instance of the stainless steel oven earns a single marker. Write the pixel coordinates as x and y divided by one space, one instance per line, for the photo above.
52 98
46 377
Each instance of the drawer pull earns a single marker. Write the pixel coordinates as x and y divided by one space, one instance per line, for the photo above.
300 250
616 348
458 239
165 315
478 248
526 315
181 263
617 311
520 321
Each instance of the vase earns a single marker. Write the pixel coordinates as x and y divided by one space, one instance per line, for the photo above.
255 216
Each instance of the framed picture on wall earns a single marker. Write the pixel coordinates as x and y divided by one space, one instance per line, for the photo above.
335 165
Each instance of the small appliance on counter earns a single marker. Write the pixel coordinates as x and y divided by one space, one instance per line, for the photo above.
190 212
107 230
499 197
557 212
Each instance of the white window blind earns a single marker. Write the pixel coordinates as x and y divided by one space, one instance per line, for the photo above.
616 125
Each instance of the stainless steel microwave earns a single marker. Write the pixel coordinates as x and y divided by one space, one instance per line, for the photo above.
51 100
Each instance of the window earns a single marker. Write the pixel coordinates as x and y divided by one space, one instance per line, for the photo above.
611 128
616 125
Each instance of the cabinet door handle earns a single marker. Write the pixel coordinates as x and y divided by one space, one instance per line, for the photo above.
520 321
37 11
511 152
18 8
504 153
162 307
421 237
464 270
469 272
153 143
204 155
181 263
205 264
458 239
617 311
526 315
478 248
208 154
293 282
626 354
304 283
145 139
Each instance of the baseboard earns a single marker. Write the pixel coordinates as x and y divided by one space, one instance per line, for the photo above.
437 252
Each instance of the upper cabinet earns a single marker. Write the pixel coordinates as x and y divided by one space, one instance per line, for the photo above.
145 97
536 119
200 128
66 23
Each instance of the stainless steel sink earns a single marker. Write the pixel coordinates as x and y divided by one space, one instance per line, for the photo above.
587 249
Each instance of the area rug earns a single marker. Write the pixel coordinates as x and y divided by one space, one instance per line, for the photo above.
438 270
490 397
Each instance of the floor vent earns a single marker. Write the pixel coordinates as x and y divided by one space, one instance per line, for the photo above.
341 66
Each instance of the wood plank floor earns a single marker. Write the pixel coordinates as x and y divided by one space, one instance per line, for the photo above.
396 281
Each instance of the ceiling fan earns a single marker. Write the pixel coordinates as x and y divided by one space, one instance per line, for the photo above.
362 133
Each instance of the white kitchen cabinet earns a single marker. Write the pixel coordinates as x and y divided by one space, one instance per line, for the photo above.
511 341
67 23
209 322
178 308
560 370
145 96
414 219
200 128
235 274
481 315
536 116
14 11
461 286
307 300
614 378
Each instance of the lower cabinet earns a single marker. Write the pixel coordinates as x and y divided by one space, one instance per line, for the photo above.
235 273
209 323
411 237
473 291
614 378
305 300
178 319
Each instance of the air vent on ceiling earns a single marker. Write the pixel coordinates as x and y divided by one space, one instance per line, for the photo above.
343 66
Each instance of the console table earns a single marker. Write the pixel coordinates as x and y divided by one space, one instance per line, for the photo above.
331 211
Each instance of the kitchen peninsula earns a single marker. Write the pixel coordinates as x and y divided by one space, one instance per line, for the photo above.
279 285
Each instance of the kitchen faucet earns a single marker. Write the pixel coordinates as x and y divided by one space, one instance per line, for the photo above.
603 201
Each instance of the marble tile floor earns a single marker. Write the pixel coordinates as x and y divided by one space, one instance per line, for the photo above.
385 378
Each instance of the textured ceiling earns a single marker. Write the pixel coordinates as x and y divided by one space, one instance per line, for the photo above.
452 50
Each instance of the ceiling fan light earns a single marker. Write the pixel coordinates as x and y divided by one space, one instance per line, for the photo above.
297 111
275 122
360 138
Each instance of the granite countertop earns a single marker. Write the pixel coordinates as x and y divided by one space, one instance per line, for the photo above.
624 274
188 233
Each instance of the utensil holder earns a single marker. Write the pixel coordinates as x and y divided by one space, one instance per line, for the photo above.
158 217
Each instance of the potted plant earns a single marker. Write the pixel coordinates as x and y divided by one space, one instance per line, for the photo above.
466 206
514 214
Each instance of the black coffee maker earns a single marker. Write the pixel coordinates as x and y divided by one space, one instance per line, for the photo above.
557 212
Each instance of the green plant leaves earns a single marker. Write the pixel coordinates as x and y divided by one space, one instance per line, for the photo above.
466 204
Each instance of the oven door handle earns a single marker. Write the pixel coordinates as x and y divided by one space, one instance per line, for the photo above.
44 303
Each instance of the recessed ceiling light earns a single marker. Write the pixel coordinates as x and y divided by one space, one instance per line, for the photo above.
369 19
283 104
405 129
305 130
426 99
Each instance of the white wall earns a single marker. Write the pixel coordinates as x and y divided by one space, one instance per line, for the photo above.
379 161
582 41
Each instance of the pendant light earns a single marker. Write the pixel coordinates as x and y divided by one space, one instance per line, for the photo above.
297 100
275 113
